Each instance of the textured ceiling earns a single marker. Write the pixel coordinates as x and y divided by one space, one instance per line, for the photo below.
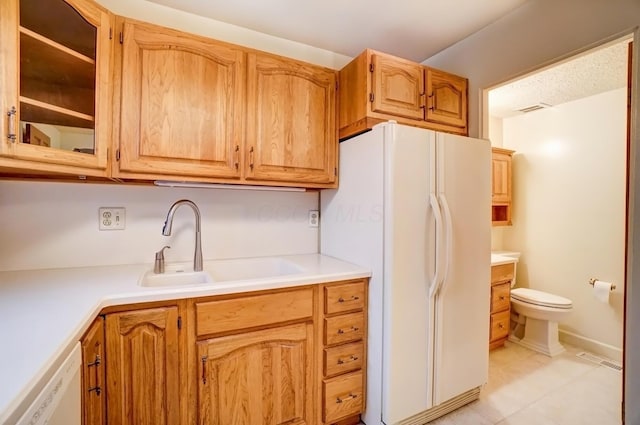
595 72
413 29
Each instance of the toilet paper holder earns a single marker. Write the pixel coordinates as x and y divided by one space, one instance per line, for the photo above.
592 281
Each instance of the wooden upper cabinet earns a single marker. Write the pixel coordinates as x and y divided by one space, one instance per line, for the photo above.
398 87
291 121
143 367
376 87
446 98
501 177
181 104
56 97
256 378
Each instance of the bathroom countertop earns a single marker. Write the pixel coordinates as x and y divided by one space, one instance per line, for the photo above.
44 313
497 259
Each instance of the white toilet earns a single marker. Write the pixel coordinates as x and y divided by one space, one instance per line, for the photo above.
541 312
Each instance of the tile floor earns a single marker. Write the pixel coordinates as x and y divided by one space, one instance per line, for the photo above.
527 388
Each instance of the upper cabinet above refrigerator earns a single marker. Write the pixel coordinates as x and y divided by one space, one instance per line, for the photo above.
376 87
55 79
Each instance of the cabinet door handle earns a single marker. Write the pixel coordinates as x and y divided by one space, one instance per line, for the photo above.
353 329
251 158
12 115
204 370
236 157
353 298
349 397
97 389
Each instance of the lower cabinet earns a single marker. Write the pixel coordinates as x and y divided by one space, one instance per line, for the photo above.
500 314
93 377
143 367
294 356
254 378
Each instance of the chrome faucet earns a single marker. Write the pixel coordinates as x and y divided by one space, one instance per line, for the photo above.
166 230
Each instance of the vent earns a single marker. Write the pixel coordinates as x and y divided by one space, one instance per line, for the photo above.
599 360
535 107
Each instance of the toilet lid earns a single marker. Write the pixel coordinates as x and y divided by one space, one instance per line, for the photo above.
543 299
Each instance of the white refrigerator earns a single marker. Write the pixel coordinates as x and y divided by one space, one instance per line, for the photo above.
413 205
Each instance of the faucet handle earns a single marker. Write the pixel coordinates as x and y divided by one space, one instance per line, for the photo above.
158 266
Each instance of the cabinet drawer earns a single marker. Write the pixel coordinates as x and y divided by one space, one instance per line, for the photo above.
500 297
342 397
340 298
502 272
499 325
253 311
343 358
344 328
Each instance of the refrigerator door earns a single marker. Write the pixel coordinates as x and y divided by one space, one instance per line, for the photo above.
409 266
462 302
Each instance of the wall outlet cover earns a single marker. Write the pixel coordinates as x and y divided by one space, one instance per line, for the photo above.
111 218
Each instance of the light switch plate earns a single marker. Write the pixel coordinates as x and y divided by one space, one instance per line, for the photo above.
111 218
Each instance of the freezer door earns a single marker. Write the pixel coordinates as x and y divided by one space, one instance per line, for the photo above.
462 303
409 262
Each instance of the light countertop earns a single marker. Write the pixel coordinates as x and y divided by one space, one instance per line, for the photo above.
43 313
497 259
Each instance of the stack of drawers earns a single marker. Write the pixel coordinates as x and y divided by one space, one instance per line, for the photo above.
501 277
344 343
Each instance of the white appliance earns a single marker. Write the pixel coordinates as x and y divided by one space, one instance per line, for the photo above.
59 403
413 205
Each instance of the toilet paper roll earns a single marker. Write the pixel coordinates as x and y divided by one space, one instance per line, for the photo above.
601 290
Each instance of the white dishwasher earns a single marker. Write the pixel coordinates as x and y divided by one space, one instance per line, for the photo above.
59 402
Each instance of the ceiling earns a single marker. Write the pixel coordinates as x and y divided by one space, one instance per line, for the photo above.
412 29
597 71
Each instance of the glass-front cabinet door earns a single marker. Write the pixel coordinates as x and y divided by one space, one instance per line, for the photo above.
56 58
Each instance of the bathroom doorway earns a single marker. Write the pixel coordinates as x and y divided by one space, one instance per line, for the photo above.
567 124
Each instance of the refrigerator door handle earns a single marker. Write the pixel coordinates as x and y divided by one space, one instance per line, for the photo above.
437 214
448 239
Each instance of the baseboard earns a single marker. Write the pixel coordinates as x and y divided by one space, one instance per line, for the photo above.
591 345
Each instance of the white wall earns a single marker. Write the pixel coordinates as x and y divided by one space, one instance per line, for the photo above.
53 225
151 12
569 207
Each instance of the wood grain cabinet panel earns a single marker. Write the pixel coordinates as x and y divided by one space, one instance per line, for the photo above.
500 314
143 367
256 378
93 375
343 397
291 121
54 77
377 87
501 187
181 104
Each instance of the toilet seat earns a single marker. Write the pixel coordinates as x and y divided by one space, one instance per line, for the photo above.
540 298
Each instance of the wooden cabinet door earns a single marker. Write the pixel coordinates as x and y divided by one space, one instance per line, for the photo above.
291 121
257 378
143 367
55 101
446 98
397 87
501 177
93 378
180 104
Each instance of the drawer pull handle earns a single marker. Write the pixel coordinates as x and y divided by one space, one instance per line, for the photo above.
353 329
350 397
353 298
500 325
501 297
351 358
97 390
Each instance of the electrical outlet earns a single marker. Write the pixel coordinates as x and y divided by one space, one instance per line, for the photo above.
314 218
111 218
